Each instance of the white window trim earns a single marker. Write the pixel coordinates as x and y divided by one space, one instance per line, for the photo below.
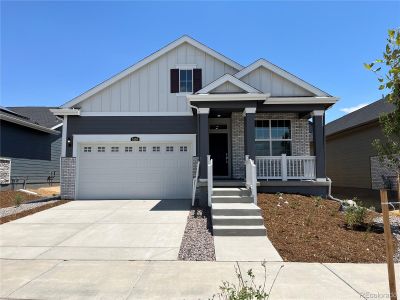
270 139
179 80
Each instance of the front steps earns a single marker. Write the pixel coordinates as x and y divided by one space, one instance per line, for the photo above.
235 214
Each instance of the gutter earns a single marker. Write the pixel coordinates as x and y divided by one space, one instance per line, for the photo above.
28 124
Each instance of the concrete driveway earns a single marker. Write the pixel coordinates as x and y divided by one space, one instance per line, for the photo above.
98 230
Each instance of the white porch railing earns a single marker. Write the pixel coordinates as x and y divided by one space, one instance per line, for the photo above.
194 184
251 177
285 167
209 179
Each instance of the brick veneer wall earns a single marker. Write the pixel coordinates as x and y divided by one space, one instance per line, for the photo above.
5 171
68 173
300 137
378 170
194 166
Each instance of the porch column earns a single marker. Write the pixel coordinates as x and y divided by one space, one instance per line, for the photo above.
319 143
203 141
249 114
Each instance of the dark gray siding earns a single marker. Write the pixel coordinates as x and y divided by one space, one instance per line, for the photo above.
130 125
34 154
348 156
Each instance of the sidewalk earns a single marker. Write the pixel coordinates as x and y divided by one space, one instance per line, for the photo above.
57 279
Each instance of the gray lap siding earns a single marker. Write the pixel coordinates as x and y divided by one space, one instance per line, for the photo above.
130 125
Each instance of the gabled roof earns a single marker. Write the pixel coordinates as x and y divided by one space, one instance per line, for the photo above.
150 58
275 69
38 118
38 114
224 79
365 115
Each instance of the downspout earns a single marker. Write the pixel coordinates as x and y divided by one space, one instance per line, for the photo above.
330 191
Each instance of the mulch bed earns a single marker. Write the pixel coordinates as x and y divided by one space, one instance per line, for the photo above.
306 230
7 198
24 213
197 242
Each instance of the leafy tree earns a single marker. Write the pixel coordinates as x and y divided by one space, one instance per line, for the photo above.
387 71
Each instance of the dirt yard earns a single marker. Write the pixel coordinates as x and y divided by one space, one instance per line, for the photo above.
9 198
304 229
49 191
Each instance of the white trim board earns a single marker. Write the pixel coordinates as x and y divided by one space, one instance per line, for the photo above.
228 78
135 114
275 69
301 100
228 97
148 59
125 138
64 137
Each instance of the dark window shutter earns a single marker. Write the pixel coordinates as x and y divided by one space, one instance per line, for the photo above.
174 80
197 82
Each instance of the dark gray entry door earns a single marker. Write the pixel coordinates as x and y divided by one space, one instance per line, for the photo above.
219 153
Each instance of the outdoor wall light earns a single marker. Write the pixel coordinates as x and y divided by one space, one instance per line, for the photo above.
218 116
69 142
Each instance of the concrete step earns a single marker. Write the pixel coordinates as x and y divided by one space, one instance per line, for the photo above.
237 220
235 209
231 192
239 230
232 199
229 183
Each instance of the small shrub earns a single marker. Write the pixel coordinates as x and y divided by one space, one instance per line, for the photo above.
308 219
18 200
245 289
317 201
355 216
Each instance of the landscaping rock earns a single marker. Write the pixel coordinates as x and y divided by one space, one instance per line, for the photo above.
198 242
395 228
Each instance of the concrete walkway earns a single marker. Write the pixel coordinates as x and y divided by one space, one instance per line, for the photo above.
99 230
245 248
57 279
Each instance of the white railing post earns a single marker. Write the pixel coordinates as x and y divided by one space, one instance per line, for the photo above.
284 167
254 180
209 179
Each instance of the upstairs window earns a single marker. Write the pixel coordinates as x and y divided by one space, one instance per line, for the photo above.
185 81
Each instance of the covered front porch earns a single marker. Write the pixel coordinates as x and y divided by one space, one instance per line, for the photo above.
276 138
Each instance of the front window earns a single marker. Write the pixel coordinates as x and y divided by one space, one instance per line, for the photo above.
185 81
273 137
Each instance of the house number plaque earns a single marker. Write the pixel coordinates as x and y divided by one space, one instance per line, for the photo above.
135 139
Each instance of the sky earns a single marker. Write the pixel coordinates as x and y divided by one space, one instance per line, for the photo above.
53 51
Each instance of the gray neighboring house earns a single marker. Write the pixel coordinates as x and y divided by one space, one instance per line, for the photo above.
30 147
142 133
352 161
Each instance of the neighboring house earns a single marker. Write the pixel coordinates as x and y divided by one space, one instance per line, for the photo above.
140 133
352 161
30 139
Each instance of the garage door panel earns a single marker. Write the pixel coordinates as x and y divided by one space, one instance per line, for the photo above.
134 174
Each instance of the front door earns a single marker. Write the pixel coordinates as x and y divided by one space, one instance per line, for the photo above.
219 153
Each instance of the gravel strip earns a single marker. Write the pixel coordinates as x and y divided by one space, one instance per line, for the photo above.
395 227
198 242
25 206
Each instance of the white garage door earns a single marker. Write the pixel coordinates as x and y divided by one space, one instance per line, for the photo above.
134 171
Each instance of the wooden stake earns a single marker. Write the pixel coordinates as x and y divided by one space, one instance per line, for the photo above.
389 244
398 186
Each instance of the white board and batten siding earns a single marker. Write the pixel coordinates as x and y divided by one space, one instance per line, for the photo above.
148 88
269 82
